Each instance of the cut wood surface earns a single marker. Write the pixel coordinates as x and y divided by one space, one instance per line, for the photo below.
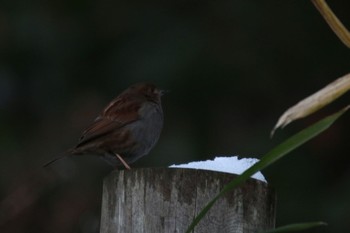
166 200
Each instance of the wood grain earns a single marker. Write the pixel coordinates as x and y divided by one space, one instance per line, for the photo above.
166 200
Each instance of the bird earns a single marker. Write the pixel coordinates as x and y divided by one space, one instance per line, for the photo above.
127 128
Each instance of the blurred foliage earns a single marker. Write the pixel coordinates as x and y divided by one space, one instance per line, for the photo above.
232 67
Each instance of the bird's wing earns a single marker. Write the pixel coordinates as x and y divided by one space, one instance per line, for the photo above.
115 116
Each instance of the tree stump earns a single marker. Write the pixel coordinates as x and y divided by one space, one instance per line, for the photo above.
165 200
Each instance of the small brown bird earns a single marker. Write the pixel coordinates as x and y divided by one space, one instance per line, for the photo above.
127 129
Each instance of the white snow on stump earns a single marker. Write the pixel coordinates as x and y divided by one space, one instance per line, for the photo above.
231 165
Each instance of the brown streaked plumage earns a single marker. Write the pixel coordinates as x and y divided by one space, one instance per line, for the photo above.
127 129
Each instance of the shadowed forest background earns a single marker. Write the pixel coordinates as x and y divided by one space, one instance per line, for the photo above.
232 67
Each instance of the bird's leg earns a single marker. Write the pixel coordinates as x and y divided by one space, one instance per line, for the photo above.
123 162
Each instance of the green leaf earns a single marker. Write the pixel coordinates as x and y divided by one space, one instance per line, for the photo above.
297 227
271 157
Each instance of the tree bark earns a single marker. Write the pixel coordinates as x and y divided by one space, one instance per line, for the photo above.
157 200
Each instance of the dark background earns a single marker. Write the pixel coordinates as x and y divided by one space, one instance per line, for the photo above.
232 67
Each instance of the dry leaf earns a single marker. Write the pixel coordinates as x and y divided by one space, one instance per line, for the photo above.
314 102
332 20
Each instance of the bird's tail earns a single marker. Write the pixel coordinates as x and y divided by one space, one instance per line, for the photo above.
65 154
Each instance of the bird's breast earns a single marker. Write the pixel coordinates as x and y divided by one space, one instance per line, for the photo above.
147 129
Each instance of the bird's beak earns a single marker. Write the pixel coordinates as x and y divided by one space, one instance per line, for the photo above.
162 92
